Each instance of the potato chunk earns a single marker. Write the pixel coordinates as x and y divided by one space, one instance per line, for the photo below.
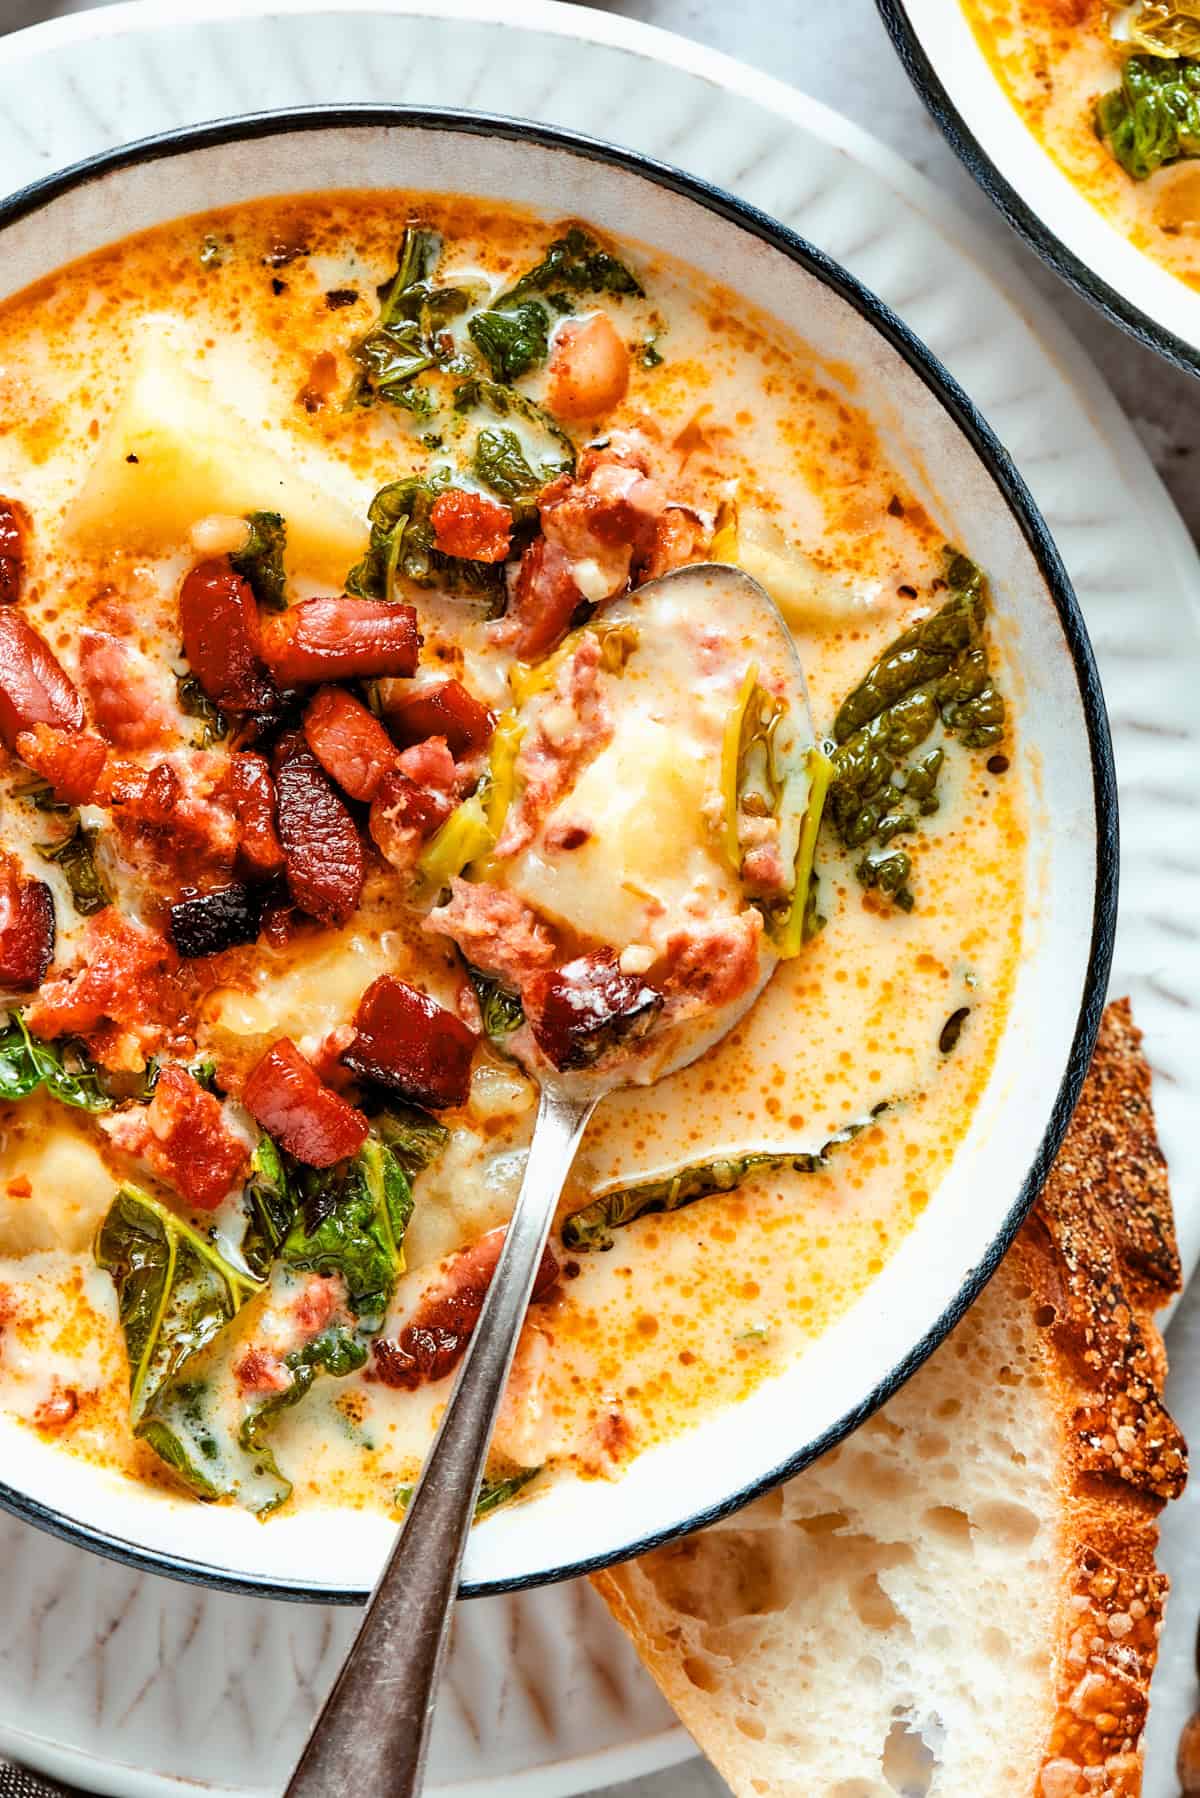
640 804
174 454
54 1186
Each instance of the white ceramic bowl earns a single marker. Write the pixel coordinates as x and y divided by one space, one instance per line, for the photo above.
929 425
954 78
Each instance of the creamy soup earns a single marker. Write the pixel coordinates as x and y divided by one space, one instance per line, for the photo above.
1113 94
351 783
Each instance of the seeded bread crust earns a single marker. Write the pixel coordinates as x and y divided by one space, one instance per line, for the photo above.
1101 1247
1094 1263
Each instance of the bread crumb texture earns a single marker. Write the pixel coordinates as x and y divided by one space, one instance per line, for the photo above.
961 1601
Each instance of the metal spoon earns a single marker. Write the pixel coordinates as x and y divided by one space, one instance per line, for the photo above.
372 1736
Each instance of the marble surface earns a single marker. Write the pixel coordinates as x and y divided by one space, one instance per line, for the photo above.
842 56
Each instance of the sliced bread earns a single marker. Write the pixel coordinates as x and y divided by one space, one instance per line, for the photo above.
961 1601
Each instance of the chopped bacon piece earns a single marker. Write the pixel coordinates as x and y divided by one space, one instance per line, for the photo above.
414 798
471 526
56 1411
572 728
679 537
260 1367
432 1345
222 638
126 976
431 765
324 852
14 522
607 514
340 639
33 687
183 1136
406 1040
261 1370
598 529
349 742
318 1302
170 819
252 800
443 709
578 1011
26 928
589 370
544 599
71 760
717 961
495 930
322 381
305 1116
209 923
403 815
120 782
127 708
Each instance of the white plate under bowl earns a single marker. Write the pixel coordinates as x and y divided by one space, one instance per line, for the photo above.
948 68
961 474
143 1688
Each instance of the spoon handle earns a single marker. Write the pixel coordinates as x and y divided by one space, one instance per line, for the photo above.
372 1737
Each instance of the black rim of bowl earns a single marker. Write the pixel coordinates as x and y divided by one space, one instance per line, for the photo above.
1017 210
999 466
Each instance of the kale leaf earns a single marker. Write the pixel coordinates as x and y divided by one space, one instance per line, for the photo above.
269 1202
500 463
492 1493
190 1426
937 671
1153 118
394 350
61 1070
413 1136
500 1009
512 339
76 856
407 338
402 546
195 703
351 1221
592 1227
260 561
175 1292
576 263
555 450
335 1352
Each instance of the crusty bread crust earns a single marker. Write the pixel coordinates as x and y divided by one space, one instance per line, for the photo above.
1093 1264
1100 1249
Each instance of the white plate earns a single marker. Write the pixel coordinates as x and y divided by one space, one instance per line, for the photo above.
954 78
155 1685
